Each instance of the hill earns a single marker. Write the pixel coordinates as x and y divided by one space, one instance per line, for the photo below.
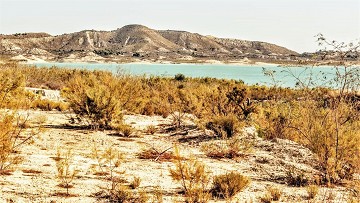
137 41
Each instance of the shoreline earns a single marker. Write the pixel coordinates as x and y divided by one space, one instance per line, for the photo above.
235 63
246 62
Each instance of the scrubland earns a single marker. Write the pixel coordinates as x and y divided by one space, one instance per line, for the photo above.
122 138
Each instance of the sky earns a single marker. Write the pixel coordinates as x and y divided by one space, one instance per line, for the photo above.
289 23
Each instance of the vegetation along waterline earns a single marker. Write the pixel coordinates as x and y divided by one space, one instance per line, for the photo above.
249 74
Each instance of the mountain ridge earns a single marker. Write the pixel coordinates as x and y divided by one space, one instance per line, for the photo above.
139 41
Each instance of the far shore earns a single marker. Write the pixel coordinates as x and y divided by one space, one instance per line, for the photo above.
146 62
245 62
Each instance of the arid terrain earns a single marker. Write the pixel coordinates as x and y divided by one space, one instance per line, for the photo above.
35 179
70 135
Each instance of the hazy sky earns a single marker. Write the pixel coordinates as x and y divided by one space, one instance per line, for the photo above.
290 23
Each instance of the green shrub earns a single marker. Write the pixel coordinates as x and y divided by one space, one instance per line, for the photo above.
180 77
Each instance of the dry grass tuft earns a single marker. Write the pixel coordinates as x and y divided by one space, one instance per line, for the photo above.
156 155
228 185
312 191
33 171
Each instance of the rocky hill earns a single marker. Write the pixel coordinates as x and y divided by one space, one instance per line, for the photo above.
137 41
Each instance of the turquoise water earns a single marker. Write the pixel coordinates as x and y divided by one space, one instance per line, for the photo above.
250 74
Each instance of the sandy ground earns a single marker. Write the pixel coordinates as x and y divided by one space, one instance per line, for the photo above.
266 164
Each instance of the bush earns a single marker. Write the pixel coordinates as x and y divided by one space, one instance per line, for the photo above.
12 88
151 129
272 194
9 134
230 148
274 122
124 130
156 155
224 127
193 178
179 77
66 172
48 105
94 97
296 179
228 185
332 133
123 194
135 183
312 191
107 162
12 139
266 198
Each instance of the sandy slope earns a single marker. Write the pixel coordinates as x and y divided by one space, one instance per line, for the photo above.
266 164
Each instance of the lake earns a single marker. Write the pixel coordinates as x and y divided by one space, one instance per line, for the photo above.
250 74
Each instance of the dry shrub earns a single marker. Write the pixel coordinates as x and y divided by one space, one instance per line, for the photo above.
151 129
66 170
239 97
48 105
274 121
135 183
124 129
100 98
312 191
295 178
156 155
193 178
12 91
272 194
266 198
11 128
229 184
123 194
230 148
333 134
94 98
158 195
33 171
107 162
225 126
